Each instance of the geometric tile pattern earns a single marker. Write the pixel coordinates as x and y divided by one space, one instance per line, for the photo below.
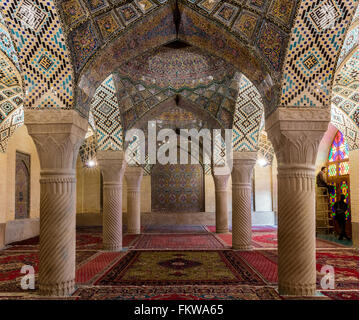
36 30
313 48
137 97
84 17
347 126
351 42
265 148
264 26
112 19
6 44
349 72
184 67
250 20
107 117
345 94
8 127
10 88
88 149
248 117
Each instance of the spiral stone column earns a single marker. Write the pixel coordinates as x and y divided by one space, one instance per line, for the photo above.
112 165
295 135
133 176
58 135
243 163
220 177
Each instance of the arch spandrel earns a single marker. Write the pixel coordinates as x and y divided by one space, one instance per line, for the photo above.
44 59
317 37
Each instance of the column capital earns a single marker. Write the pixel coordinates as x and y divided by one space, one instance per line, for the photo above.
245 155
296 133
220 177
221 171
243 164
58 135
112 165
133 176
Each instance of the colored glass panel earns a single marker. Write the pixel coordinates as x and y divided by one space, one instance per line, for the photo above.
344 189
340 149
332 198
343 168
332 170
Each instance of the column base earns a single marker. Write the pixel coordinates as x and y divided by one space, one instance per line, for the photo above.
297 289
133 231
242 247
61 289
221 230
112 247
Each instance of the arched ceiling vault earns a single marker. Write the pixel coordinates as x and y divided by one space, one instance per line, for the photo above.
345 93
11 95
251 35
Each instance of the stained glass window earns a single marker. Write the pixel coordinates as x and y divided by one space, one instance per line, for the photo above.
344 189
332 170
339 150
343 168
338 172
332 197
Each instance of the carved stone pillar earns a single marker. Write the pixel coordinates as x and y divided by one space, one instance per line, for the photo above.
58 135
220 177
133 177
243 163
112 165
295 134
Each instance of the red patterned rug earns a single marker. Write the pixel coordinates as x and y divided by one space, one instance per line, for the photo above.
342 295
177 293
346 267
84 241
254 228
175 229
344 261
94 268
178 241
11 263
164 268
266 268
268 240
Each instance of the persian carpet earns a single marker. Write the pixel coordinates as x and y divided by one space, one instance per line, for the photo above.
345 263
177 293
342 295
178 241
11 263
84 241
175 229
266 268
346 267
268 240
93 268
163 268
225 238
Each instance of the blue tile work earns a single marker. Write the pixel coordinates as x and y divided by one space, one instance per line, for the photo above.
247 117
107 117
46 66
316 39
